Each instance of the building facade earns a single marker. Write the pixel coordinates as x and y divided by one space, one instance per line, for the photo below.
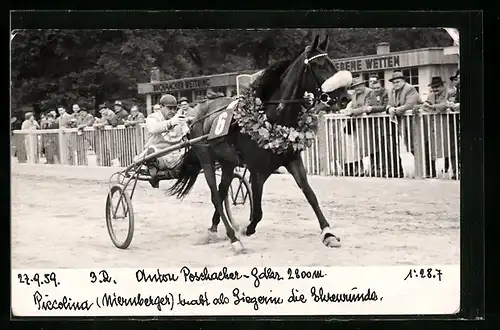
417 65
192 88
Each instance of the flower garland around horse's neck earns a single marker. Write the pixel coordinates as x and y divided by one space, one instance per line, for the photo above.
253 121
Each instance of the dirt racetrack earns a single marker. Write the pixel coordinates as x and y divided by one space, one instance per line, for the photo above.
58 221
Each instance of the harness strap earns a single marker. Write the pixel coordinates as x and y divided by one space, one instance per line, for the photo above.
208 115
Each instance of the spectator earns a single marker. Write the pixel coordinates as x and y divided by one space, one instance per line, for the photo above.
135 117
121 113
83 118
43 120
186 109
363 98
156 108
108 117
436 128
64 120
381 96
50 141
13 122
402 97
454 94
30 123
357 141
437 101
379 165
373 80
51 121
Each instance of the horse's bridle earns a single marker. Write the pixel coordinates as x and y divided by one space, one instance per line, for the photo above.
323 97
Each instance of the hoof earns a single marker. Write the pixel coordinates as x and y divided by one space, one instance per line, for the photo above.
209 237
237 247
248 231
329 239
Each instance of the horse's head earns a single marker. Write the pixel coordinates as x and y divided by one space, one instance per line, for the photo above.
314 72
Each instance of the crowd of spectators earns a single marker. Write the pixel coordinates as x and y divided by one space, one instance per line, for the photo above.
402 97
80 117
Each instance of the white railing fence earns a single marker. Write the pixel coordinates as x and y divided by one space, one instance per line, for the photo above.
421 145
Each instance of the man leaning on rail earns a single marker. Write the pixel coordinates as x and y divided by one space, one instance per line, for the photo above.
439 130
165 128
402 97
363 99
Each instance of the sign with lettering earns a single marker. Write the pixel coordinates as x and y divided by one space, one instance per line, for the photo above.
368 64
252 290
184 84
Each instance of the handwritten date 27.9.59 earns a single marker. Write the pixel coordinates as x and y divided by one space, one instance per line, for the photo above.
38 279
422 273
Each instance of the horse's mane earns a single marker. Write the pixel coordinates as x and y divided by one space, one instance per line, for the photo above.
269 81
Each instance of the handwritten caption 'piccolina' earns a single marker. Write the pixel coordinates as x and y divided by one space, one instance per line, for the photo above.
232 293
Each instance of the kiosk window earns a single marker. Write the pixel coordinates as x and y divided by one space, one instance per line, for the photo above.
411 76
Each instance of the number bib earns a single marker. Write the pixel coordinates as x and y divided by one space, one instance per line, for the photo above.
220 125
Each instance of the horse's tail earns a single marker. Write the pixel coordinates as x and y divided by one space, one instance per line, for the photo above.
188 173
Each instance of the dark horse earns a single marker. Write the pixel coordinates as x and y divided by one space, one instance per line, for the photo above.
281 89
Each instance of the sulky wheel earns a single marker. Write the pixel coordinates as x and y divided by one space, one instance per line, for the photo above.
119 216
239 200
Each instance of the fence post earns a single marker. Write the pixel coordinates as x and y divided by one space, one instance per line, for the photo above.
31 147
322 156
139 143
417 143
62 147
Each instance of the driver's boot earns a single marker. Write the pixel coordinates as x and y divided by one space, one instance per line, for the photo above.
153 171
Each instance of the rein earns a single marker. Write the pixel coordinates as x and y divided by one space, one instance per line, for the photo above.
207 115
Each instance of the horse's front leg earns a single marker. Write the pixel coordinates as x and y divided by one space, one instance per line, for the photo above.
298 171
257 181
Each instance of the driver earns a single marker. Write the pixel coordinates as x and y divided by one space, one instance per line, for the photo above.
165 128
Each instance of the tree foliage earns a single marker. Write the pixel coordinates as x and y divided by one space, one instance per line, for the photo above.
51 67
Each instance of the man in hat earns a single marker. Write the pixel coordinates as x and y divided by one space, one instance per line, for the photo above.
83 118
363 98
108 117
121 113
439 128
165 128
402 96
437 101
135 117
186 109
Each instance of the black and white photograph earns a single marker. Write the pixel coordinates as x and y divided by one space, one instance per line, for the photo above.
201 149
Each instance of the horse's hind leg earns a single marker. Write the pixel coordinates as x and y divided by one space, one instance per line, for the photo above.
227 172
298 171
223 191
